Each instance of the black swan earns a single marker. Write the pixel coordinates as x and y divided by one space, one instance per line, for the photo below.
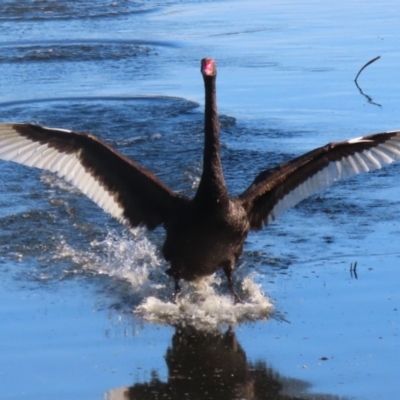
207 232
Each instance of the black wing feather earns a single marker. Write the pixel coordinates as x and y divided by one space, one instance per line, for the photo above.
275 190
126 190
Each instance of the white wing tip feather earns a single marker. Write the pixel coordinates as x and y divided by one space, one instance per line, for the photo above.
359 140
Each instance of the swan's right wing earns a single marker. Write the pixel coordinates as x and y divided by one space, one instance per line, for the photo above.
119 186
276 190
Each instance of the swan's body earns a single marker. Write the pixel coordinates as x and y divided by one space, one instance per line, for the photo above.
207 232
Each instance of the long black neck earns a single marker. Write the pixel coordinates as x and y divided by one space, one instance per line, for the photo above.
212 189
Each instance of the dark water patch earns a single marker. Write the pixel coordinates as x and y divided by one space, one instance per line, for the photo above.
250 149
18 197
17 238
242 166
42 10
29 241
175 107
77 50
74 52
226 121
244 157
262 132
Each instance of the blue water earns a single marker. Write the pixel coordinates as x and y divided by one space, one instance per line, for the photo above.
72 279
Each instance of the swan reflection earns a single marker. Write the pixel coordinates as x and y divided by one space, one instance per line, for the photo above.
210 365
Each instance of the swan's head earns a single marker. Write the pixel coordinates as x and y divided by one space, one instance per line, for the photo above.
208 67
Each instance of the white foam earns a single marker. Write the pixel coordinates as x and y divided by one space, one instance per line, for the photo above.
204 307
205 304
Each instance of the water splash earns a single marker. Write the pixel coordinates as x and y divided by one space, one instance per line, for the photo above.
205 304
202 305
134 259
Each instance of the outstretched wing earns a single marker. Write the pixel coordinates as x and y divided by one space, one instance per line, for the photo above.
276 190
119 186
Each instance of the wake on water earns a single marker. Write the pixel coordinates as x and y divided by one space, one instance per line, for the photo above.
204 304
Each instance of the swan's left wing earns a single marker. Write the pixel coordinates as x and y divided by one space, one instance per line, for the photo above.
124 189
276 190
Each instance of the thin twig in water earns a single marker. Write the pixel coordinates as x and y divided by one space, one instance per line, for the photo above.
358 87
366 65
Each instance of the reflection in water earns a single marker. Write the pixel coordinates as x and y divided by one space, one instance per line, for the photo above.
205 365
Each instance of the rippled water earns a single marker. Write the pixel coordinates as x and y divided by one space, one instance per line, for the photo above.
85 304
